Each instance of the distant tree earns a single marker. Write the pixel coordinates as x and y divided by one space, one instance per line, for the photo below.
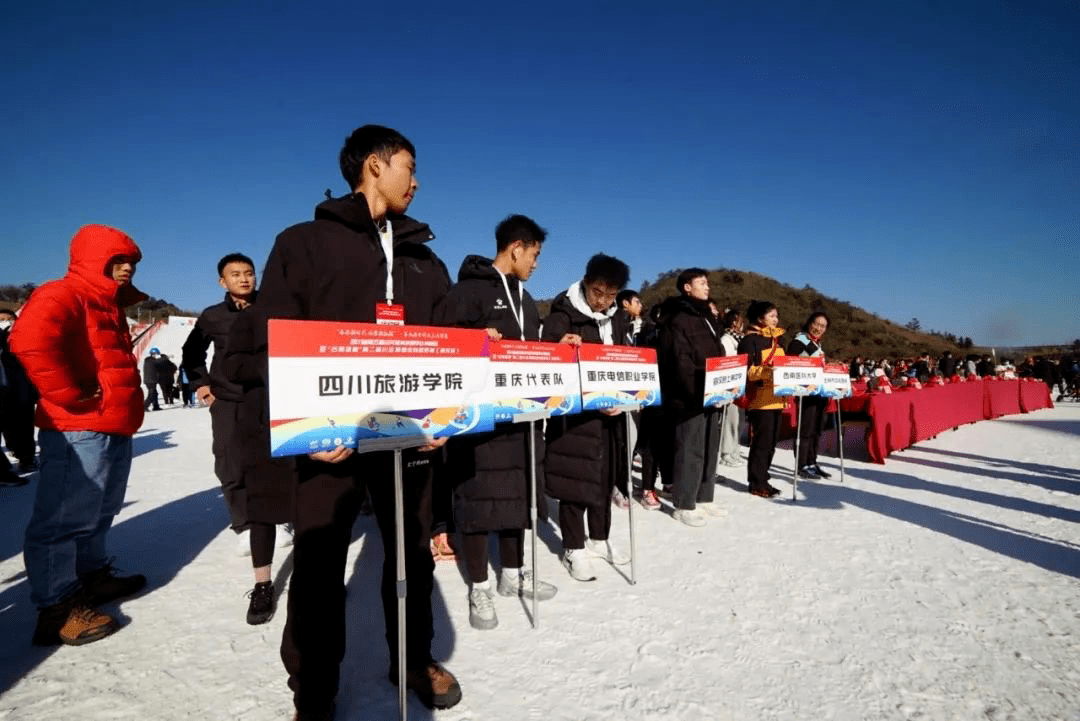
1076 344
912 324
966 342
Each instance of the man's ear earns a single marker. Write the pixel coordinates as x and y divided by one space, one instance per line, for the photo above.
374 165
221 282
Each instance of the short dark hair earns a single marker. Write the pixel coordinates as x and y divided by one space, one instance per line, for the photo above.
688 276
364 141
608 270
626 296
518 227
810 321
758 309
730 318
233 258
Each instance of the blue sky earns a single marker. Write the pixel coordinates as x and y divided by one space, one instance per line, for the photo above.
918 159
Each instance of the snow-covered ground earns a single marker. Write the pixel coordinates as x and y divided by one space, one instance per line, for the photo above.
942 585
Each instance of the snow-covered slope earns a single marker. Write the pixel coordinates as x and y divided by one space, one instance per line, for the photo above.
941 586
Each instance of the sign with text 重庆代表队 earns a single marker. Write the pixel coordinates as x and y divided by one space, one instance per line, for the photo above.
614 375
369 386
798 375
527 376
837 381
725 379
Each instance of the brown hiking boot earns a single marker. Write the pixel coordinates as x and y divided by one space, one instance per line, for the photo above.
73 624
433 685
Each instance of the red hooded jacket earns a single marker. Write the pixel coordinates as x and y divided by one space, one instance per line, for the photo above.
73 339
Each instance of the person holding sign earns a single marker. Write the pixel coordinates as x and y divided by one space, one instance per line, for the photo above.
489 471
587 452
807 343
761 344
689 334
362 260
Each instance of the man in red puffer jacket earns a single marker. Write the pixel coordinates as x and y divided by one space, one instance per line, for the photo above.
72 338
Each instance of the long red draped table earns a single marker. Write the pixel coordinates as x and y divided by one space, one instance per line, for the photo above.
905 417
908 416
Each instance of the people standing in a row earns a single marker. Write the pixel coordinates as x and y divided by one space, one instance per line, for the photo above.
257 499
587 452
689 335
762 346
807 344
73 340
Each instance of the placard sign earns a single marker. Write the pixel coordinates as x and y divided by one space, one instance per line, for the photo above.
837 381
613 375
725 379
798 375
526 376
365 386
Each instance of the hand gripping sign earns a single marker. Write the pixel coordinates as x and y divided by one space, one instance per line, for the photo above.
798 375
527 376
725 379
837 381
365 386
615 375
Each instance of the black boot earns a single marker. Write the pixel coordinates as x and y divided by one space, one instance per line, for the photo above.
102 586
261 608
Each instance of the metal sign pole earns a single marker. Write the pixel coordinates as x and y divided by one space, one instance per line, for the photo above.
798 431
627 409
531 418
399 534
840 439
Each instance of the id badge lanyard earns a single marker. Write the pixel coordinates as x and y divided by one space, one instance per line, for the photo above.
519 312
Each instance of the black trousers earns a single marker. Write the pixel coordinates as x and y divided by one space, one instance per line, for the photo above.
572 522
511 551
811 425
151 397
17 422
697 440
261 536
328 498
764 433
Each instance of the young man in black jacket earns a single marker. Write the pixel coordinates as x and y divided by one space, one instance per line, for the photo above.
489 472
236 274
586 453
689 335
360 251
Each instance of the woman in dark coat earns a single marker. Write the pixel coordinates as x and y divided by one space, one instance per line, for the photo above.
489 472
807 343
587 452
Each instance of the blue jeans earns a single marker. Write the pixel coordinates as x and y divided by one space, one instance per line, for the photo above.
81 486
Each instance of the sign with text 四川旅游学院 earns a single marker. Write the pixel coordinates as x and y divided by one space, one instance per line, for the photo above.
369 386
725 379
798 375
527 376
837 381
614 375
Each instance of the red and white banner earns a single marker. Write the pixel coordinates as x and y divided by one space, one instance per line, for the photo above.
365 386
613 375
526 376
798 375
725 379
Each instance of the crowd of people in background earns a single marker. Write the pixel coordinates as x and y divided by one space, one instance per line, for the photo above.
71 343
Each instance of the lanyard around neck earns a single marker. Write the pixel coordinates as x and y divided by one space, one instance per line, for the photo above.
386 239
519 312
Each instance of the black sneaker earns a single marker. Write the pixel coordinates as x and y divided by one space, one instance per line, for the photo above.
9 477
102 586
28 466
809 473
261 608
821 472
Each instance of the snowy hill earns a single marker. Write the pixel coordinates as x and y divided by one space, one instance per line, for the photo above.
168 337
942 585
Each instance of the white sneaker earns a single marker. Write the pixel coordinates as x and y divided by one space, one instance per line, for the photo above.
690 518
515 582
734 461
482 607
711 509
243 544
604 550
579 563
